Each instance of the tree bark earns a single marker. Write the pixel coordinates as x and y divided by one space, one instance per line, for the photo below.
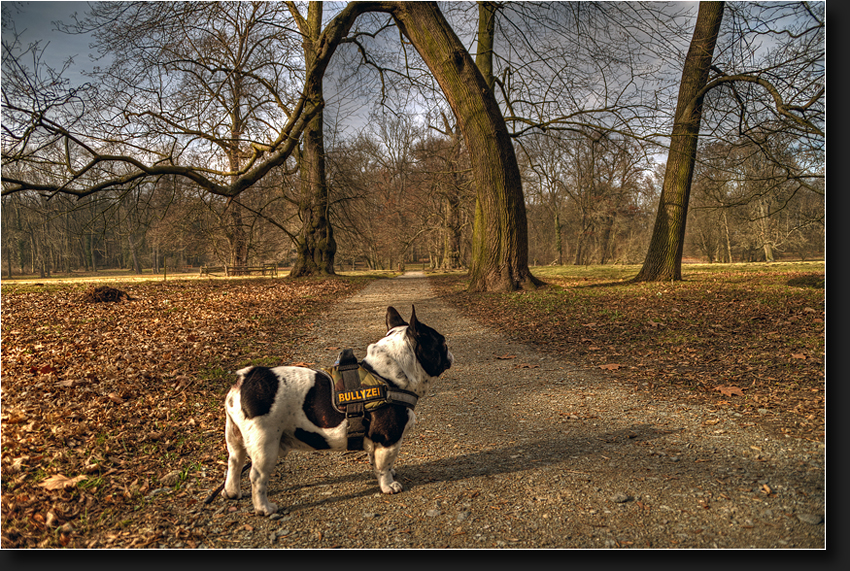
664 258
500 249
316 247
728 242
559 248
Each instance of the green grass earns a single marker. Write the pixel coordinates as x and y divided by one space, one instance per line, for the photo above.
625 272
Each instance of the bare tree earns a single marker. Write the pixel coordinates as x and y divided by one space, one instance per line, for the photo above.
790 107
583 66
501 265
745 202
446 164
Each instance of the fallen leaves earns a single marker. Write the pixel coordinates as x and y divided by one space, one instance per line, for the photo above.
101 294
104 398
60 482
610 366
729 391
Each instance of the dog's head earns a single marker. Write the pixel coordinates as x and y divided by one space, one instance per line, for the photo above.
428 345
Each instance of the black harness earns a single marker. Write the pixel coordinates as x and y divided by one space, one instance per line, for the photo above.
358 389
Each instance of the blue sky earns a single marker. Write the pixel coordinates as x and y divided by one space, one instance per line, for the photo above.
35 21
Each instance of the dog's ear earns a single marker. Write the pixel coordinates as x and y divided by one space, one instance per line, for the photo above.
394 319
413 322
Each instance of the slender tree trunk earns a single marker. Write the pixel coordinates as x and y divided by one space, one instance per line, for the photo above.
559 249
92 253
664 258
726 237
500 246
137 267
607 248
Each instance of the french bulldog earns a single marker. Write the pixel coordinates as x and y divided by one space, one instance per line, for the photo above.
270 411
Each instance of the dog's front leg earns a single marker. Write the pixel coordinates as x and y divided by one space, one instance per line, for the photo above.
382 459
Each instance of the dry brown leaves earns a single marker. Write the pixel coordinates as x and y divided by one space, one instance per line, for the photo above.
756 340
105 403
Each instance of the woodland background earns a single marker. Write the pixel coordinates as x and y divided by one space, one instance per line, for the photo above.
586 89
398 190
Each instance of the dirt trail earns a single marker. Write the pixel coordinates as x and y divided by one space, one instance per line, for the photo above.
517 449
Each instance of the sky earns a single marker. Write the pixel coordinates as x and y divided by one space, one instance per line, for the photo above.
35 21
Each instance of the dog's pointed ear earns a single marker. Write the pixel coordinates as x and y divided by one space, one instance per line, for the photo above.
394 319
413 321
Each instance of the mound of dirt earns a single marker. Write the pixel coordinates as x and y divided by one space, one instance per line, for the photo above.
101 294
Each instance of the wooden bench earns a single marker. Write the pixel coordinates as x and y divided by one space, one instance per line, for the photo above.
229 271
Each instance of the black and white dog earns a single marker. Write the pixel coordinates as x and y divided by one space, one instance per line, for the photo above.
272 411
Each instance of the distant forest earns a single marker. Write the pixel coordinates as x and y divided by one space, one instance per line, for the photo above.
248 133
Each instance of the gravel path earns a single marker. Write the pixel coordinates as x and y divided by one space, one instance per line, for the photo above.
514 449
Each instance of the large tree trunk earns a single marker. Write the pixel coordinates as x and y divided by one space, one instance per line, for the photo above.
664 258
451 233
500 246
236 236
316 247
235 229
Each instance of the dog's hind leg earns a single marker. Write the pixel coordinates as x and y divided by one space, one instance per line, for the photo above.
237 454
267 453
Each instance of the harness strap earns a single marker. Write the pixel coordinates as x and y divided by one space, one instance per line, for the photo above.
355 411
395 395
401 396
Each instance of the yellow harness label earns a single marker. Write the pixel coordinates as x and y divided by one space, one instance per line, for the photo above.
360 395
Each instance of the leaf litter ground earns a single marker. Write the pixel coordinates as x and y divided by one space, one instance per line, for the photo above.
110 411
749 341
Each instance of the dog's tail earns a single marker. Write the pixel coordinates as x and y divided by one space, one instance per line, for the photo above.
218 490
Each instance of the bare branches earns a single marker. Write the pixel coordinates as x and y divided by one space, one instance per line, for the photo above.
181 77
793 113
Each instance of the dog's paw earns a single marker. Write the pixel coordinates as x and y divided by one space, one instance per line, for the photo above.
392 488
266 510
228 496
